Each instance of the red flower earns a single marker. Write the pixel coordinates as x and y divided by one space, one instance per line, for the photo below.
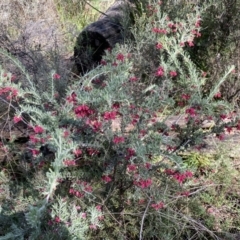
10 90
223 116
103 62
83 111
130 153
159 46
196 33
35 152
88 188
117 140
170 172
180 177
131 167
218 95
198 23
141 201
186 97
148 165
72 98
173 73
14 92
143 183
116 106
221 136
78 207
17 119
204 74
190 43
99 208
66 134
78 194
13 78
71 191
69 162
191 111
77 152
38 129
110 115
120 57
57 219
135 119
106 178
229 129
93 226
188 174
157 206
159 72
182 44
158 30
92 151
96 126
34 139
56 76
133 79
173 27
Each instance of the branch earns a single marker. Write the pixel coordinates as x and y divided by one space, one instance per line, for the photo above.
143 217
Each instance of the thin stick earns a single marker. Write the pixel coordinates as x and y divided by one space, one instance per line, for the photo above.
143 217
95 8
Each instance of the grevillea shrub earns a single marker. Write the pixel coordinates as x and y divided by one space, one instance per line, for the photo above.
104 162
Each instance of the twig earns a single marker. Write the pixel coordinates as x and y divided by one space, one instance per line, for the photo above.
143 217
95 8
3 100
12 106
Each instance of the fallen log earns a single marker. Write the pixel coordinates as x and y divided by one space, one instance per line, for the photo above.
112 27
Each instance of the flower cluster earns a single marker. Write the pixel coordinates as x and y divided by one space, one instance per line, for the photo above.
143 183
38 129
118 139
110 115
82 111
17 119
72 98
70 162
179 177
106 178
80 188
157 206
11 92
76 193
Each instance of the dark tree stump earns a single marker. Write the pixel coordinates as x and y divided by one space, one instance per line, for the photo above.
111 28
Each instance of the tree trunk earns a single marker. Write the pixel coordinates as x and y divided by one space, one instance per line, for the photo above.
111 28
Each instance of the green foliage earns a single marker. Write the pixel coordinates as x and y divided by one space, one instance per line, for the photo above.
197 160
80 13
105 162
